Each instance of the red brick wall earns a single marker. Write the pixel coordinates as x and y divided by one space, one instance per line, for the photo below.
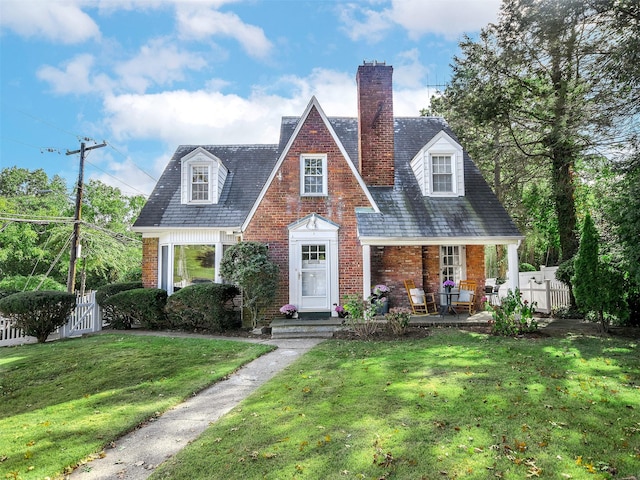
150 262
283 205
392 265
375 124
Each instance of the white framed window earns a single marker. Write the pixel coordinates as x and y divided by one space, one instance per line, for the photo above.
313 175
203 177
452 263
200 183
439 167
442 169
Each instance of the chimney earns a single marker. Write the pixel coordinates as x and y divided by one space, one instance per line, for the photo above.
375 123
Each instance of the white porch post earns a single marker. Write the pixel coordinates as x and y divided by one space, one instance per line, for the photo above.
513 281
217 259
366 271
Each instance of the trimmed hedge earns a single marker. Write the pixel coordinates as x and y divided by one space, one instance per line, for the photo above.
107 291
203 307
142 306
39 313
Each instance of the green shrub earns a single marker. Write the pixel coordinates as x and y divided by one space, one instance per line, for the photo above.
203 307
398 320
107 291
527 267
141 306
513 316
6 292
39 313
361 316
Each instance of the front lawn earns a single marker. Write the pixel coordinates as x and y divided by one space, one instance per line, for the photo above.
62 401
455 405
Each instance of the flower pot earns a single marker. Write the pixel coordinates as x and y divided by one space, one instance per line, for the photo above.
383 306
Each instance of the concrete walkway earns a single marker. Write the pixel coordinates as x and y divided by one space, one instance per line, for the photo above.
134 456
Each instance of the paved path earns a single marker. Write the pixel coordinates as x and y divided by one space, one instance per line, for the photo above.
135 455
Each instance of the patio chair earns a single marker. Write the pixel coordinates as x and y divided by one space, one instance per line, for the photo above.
420 300
466 296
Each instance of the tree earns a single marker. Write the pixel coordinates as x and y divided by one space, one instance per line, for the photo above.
597 286
534 92
247 265
37 215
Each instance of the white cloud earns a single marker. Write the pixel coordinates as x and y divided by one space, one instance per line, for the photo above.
371 27
408 71
447 18
158 62
201 23
75 78
60 22
211 117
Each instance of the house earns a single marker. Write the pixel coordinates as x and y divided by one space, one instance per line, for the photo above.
343 204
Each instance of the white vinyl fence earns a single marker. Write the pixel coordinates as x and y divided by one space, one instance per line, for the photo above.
548 295
85 318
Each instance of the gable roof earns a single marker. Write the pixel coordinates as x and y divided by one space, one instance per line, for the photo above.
285 146
399 214
248 166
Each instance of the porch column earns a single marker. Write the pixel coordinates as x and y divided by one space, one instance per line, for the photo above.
513 281
366 271
217 259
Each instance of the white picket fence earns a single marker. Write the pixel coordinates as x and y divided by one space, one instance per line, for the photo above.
85 318
548 295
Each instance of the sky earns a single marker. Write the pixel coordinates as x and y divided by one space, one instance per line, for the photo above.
146 76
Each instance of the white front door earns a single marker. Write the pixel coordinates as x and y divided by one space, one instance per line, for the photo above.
314 276
313 264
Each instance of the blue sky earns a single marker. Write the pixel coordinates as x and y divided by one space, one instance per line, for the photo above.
149 75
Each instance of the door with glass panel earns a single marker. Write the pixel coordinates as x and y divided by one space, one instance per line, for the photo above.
314 276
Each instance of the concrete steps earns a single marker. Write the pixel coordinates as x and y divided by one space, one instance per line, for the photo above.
305 328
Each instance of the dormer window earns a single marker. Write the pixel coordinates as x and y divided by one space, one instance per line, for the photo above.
313 175
200 184
203 177
442 173
439 167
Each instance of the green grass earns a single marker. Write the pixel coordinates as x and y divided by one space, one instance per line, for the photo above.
455 405
62 401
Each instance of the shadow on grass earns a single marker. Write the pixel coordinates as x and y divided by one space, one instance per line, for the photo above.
449 406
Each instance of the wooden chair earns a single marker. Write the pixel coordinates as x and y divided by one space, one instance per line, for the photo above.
420 300
466 296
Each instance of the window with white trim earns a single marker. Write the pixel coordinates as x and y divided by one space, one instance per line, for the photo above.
439 167
200 185
452 263
442 173
203 177
313 175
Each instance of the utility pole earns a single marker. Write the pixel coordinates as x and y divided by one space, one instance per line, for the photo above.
75 239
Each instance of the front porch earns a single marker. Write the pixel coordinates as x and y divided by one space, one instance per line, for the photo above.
324 327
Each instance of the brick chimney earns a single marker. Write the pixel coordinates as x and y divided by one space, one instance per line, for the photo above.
375 123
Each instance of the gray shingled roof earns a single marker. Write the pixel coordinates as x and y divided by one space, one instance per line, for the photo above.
249 167
405 212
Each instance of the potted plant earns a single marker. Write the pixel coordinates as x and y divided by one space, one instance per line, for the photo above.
380 298
448 285
341 311
289 310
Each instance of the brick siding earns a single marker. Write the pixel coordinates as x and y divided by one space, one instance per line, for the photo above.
283 205
150 262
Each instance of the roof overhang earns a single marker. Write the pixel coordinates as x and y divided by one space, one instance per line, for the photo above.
415 241
149 232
